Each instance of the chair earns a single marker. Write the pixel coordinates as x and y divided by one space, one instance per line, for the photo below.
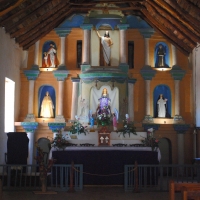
45 145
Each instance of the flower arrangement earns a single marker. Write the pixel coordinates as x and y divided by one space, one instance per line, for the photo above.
59 141
103 117
151 141
77 127
128 128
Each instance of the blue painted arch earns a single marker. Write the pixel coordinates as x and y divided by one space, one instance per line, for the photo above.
42 92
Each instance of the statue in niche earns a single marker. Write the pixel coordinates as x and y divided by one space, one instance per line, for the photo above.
104 104
84 106
52 60
106 42
162 106
160 57
44 61
47 106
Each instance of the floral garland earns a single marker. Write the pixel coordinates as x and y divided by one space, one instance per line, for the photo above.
151 141
128 128
59 141
77 127
103 118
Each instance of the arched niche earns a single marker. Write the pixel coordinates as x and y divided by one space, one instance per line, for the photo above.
46 56
41 94
165 90
166 51
113 95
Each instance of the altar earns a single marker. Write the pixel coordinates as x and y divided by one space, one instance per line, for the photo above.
105 165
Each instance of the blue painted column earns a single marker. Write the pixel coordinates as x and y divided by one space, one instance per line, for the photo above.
31 76
30 128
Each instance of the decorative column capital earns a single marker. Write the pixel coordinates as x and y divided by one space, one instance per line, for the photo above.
181 128
61 73
75 80
132 80
55 127
147 72
33 73
29 127
147 33
177 73
85 67
148 126
122 26
62 32
86 26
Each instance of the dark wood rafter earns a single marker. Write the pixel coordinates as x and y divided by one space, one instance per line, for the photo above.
16 13
35 37
164 31
45 25
195 2
177 20
190 8
172 22
28 27
168 25
192 23
33 40
32 15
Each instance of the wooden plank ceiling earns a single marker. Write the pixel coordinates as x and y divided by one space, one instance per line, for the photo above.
27 21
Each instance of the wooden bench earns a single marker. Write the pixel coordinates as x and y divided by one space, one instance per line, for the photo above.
191 193
178 187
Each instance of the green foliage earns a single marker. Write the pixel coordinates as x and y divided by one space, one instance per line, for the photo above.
128 128
77 127
151 141
59 141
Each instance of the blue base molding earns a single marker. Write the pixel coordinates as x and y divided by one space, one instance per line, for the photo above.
181 128
29 126
55 127
148 126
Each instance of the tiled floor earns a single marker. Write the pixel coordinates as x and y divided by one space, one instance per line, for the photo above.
89 193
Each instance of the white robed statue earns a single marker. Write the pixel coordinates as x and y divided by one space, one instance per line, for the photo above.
106 44
47 106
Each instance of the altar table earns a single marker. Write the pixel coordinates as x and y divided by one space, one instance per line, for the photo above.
105 161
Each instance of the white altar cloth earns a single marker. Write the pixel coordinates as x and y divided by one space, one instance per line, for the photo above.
95 148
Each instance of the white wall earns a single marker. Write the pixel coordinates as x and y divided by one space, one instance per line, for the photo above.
11 59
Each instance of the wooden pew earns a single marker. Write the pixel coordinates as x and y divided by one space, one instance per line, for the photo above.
191 193
177 187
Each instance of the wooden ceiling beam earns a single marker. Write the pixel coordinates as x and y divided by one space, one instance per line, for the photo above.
165 32
190 8
47 27
195 2
5 19
11 8
184 18
29 16
103 8
39 20
32 40
192 38
169 26
38 28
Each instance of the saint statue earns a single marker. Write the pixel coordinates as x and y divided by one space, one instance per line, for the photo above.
47 106
104 103
106 44
52 57
160 57
161 103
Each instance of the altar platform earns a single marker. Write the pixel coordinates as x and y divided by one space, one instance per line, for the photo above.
105 165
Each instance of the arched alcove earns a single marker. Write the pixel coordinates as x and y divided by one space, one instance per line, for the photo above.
165 90
46 54
41 94
165 51
166 151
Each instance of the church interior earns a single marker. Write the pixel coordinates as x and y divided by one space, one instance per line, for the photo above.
59 57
